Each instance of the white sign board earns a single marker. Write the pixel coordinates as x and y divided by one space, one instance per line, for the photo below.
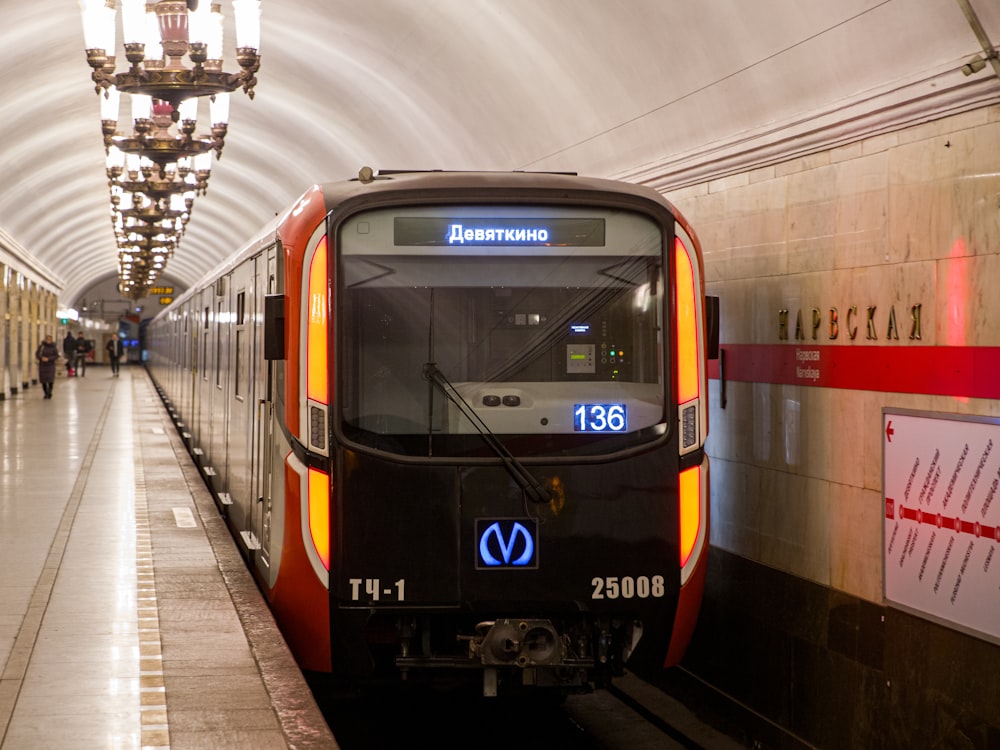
942 518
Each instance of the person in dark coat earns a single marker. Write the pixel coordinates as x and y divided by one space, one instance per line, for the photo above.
47 354
82 350
115 351
69 350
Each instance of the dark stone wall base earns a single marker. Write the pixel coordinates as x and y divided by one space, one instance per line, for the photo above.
788 664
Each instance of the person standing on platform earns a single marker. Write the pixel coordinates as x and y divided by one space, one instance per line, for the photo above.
82 350
115 351
47 354
69 351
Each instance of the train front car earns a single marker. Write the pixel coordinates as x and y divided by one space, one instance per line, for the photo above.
510 428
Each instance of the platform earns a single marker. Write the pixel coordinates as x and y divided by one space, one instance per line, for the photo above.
127 618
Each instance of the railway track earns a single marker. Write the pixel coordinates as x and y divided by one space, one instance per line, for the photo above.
631 715
635 715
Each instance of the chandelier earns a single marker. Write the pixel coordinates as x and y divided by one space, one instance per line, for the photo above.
131 173
161 134
147 231
157 162
157 36
138 271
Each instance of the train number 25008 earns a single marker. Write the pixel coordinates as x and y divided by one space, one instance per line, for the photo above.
627 587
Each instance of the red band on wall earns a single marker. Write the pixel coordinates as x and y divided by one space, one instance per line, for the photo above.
969 372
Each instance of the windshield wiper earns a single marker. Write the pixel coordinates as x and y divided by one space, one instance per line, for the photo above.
527 482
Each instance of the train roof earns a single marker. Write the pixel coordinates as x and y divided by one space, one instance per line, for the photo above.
399 182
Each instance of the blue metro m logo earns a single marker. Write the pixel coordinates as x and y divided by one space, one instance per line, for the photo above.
506 543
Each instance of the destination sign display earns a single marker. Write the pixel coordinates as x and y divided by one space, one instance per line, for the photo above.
506 231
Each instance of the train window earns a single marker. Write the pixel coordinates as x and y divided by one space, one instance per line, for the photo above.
240 354
218 345
237 385
204 345
542 326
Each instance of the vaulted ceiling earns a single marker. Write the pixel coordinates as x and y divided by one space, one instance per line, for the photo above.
667 92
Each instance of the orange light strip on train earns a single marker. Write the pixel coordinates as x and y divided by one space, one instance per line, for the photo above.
319 514
317 329
686 321
689 502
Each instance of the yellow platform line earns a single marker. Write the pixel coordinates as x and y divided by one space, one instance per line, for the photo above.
154 725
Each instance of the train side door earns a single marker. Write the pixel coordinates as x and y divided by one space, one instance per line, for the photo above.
267 461
241 403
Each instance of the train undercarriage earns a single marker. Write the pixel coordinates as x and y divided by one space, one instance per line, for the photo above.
503 656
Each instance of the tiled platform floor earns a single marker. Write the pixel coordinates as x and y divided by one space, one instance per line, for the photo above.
127 619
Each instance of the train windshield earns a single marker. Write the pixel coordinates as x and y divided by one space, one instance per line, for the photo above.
540 328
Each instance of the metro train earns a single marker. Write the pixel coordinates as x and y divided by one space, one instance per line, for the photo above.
456 423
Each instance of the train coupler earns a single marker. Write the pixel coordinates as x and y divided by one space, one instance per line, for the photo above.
522 643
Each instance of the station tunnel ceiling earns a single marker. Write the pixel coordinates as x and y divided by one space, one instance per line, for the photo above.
664 92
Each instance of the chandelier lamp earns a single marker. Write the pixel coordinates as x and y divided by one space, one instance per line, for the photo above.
135 277
130 173
145 238
148 211
148 249
151 214
142 261
149 223
156 249
131 231
160 138
139 266
174 47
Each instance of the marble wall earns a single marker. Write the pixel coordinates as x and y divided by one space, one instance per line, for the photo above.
902 219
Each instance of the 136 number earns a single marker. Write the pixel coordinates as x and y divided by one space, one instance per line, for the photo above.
599 417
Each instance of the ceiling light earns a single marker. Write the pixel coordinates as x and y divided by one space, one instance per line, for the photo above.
158 36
